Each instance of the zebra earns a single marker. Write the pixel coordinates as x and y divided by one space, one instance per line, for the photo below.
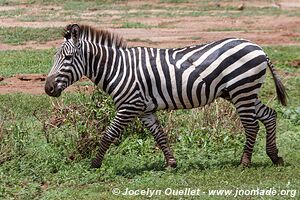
143 80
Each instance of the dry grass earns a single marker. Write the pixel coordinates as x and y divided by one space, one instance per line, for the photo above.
215 121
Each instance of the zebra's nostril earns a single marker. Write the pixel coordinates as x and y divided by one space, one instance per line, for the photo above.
51 86
51 89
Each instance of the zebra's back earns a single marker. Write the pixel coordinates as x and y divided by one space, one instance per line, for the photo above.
193 76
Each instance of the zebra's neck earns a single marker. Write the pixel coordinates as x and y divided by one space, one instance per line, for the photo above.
107 67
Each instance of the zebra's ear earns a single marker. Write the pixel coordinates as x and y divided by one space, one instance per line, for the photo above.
75 33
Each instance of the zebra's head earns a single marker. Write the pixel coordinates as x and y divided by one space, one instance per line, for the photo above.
68 66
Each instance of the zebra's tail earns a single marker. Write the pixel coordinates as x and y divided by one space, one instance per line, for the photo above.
280 90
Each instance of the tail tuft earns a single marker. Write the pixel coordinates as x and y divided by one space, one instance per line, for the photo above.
280 90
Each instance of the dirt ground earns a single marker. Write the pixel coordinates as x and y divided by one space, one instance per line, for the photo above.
168 32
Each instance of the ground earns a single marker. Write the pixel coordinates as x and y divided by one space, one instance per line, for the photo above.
46 144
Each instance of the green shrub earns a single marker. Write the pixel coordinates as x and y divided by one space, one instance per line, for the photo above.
76 128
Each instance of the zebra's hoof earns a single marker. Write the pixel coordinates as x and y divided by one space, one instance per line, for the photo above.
171 163
245 165
96 163
245 161
279 162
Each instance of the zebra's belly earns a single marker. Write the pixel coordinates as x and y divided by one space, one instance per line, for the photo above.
183 96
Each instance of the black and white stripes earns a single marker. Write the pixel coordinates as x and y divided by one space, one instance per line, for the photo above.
142 80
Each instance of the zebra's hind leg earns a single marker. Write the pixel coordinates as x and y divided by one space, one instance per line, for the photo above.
268 117
150 121
246 110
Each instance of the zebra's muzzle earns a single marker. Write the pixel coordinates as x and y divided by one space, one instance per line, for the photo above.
51 87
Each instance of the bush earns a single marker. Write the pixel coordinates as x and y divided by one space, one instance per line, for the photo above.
76 128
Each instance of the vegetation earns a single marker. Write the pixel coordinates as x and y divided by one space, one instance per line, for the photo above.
225 29
25 61
58 10
21 35
142 40
46 145
135 25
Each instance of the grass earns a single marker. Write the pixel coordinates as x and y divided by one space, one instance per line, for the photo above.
174 1
21 35
282 56
39 61
25 61
40 162
79 10
45 170
12 13
225 29
195 38
136 25
297 38
148 41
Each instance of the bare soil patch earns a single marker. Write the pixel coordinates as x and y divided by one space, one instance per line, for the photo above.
34 84
295 63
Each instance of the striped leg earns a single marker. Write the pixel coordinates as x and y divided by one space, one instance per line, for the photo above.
268 117
150 121
113 132
248 118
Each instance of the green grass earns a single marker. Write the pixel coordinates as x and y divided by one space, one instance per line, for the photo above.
45 170
195 38
12 13
136 25
175 1
224 29
148 41
40 162
25 61
282 56
297 38
79 10
21 35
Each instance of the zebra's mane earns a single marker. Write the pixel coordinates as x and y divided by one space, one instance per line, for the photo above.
99 36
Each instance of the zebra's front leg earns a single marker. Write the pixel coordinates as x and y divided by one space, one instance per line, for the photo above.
150 121
112 133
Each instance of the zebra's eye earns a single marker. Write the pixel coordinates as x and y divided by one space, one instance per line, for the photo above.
68 57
